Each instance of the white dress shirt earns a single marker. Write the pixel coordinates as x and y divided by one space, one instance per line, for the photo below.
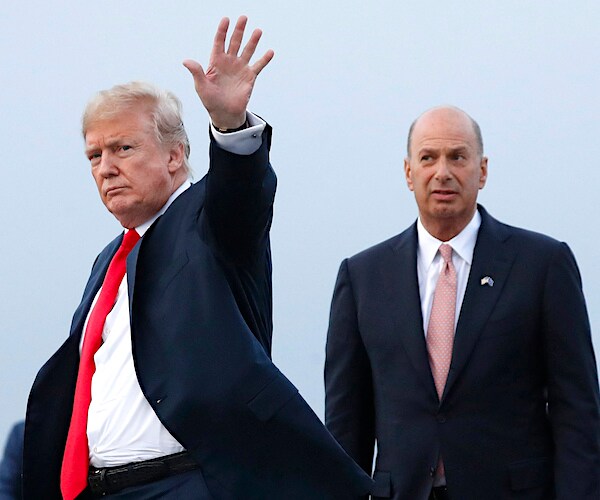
430 263
122 427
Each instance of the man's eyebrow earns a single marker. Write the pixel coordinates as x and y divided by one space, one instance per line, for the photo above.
458 149
113 141
90 149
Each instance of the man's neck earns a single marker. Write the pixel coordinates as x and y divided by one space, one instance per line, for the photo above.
143 227
446 229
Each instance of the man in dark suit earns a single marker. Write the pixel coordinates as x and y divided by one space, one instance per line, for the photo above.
470 364
11 464
180 398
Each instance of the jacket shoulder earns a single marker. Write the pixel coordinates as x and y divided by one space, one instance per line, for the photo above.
407 238
518 235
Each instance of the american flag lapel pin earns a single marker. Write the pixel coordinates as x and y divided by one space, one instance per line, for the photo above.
487 280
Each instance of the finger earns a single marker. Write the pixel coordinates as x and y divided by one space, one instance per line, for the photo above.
251 46
219 42
195 68
237 35
259 65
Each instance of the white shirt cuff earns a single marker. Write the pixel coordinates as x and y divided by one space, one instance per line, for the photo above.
243 142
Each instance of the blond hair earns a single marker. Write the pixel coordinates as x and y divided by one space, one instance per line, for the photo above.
165 111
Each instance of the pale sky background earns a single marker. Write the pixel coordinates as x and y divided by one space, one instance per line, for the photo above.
346 81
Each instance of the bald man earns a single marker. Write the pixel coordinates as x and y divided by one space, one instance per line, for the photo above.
461 347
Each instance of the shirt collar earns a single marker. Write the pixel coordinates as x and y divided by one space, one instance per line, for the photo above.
142 228
462 244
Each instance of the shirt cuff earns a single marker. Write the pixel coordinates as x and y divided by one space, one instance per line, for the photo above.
242 142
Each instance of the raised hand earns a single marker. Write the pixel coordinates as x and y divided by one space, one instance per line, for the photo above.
226 86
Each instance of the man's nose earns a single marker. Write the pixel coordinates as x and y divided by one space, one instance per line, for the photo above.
442 171
108 165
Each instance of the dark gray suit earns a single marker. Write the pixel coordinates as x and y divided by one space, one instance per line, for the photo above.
199 286
520 414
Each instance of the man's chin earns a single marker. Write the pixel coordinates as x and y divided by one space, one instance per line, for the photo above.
124 214
445 211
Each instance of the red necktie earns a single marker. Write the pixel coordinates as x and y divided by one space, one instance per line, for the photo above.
75 465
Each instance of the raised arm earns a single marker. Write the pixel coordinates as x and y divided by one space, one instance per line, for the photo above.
240 188
226 86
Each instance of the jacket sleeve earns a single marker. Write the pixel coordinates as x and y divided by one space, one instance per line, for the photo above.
349 405
240 190
573 400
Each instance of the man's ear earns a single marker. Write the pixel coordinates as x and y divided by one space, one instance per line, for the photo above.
407 173
176 156
484 172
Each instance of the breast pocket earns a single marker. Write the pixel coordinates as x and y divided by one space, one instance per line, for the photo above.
509 325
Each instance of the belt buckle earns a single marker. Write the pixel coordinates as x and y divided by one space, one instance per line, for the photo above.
97 481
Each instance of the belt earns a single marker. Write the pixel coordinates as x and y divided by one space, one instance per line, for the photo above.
109 480
439 493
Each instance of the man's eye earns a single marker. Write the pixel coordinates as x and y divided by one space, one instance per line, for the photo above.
425 157
126 147
94 156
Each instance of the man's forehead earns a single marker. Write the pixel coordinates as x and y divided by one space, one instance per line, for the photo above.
443 144
121 123
449 139
95 138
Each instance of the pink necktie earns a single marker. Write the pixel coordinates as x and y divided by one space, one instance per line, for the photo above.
75 465
440 333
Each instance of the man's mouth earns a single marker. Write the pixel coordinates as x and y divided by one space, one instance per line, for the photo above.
443 194
111 191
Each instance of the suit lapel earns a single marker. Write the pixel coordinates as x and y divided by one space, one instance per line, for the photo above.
175 263
406 305
94 283
132 259
492 258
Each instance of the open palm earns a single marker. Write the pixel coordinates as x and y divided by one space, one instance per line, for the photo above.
226 86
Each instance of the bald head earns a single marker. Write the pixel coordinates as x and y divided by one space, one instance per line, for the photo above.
450 114
445 169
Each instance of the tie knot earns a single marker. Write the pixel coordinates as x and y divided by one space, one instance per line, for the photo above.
130 238
446 252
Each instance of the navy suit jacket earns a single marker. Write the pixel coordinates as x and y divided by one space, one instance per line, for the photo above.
200 305
11 465
519 416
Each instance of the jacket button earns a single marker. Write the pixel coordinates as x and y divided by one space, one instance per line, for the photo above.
441 418
432 471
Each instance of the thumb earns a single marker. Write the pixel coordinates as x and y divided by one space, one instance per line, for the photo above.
196 70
